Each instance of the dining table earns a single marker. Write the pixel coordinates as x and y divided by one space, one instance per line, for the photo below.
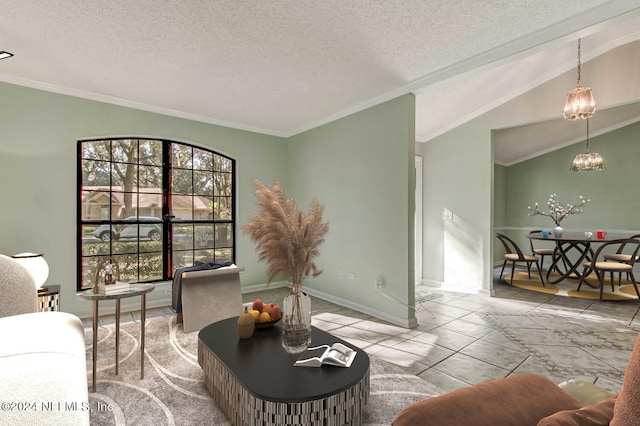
571 250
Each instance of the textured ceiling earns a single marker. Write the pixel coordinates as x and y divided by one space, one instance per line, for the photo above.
277 67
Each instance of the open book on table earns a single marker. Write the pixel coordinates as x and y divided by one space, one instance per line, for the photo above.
336 354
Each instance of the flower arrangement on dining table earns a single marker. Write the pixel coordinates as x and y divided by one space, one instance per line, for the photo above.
557 212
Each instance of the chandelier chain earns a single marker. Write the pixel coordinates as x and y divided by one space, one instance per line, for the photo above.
579 60
587 135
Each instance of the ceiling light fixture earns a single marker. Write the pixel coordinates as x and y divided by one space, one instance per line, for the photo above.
5 55
587 161
580 102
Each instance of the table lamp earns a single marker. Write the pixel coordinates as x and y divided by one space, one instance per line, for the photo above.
37 267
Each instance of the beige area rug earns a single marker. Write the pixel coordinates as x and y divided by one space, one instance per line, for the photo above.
173 392
569 287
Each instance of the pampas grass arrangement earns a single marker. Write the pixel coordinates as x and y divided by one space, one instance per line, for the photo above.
286 238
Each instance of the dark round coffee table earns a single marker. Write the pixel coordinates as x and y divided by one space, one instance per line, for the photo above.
255 383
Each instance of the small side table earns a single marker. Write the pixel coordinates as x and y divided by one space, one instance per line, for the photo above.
49 298
135 290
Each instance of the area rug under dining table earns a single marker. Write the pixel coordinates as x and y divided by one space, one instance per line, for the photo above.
569 287
173 391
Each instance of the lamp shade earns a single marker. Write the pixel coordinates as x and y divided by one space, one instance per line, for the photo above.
580 104
36 265
587 162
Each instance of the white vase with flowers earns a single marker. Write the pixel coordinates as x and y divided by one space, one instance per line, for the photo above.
557 212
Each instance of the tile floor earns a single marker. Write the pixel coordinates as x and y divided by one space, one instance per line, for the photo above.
463 339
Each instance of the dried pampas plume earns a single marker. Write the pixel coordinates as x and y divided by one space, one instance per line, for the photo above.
286 238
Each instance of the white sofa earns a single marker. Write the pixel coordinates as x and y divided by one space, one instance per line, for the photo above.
43 370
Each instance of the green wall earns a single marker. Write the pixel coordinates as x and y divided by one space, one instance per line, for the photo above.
457 178
615 200
38 175
499 196
459 170
362 169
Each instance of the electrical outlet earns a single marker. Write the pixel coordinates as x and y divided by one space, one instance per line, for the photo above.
167 291
339 275
379 283
351 276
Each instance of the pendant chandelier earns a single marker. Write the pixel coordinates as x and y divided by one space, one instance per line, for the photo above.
580 102
587 161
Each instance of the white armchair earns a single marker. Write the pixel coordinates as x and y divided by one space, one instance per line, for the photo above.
18 294
42 357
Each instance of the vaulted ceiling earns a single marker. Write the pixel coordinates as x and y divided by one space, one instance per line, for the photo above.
282 67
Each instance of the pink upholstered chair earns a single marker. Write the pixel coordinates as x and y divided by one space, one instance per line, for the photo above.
527 399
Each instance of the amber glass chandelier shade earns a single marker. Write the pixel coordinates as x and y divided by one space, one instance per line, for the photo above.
588 161
580 104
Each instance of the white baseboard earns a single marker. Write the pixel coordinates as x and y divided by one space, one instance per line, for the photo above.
402 322
166 302
163 301
265 286
431 283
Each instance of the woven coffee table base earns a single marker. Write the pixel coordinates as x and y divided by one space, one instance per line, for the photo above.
243 408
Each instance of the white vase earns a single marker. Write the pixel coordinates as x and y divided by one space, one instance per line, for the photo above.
558 231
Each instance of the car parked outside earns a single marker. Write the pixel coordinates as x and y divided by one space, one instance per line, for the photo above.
153 231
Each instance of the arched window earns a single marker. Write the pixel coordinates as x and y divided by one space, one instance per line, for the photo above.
150 206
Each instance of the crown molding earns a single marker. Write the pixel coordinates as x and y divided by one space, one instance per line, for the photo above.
113 100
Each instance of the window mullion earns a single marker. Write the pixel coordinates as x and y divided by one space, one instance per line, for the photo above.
167 256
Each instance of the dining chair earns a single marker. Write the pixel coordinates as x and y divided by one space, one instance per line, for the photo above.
514 254
621 256
538 251
541 251
600 266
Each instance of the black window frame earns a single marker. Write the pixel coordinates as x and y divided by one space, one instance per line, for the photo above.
167 221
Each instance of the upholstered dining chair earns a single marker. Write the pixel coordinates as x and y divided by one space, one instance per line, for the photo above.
621 256
540 251
514 254
600 266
